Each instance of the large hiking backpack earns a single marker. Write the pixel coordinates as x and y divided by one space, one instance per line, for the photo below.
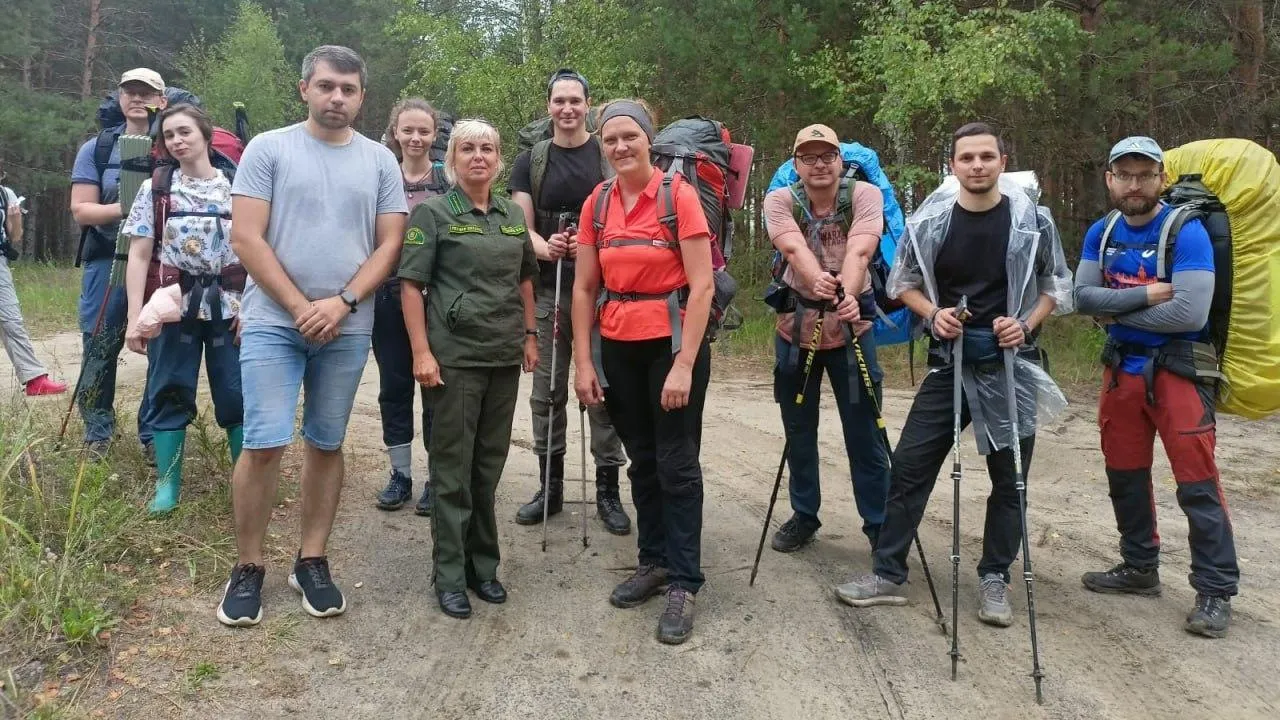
698 150
1233 187
894 323
227 147
440 145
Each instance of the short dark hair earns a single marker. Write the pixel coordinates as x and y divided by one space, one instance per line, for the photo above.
568 74
975 129
340 58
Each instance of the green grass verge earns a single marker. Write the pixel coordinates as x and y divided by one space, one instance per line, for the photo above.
49 294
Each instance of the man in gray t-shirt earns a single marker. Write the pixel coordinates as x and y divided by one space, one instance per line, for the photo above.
318 218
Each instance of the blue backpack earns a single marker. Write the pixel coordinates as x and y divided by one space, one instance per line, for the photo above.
894 323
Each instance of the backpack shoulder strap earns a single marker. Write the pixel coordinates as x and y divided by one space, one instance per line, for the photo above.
161 187
102 151
668 218
1113 217
601 208
539 158
439 181
1169 237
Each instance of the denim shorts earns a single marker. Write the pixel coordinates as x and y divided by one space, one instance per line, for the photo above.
275 363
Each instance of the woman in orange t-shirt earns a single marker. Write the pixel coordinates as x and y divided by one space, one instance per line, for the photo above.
651 297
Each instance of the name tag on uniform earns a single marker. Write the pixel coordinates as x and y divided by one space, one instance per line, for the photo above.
512 229
465 229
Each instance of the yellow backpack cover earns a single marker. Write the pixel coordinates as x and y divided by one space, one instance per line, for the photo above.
1245 177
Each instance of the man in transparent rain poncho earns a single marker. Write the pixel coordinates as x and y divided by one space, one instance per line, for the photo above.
981 237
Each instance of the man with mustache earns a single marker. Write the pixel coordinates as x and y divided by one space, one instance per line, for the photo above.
1155 299
319 219
994 246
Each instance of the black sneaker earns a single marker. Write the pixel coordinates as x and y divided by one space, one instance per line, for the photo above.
241 604
794 534
1124 579
644 583
399 490
424 503
1210 617
320 597
676 624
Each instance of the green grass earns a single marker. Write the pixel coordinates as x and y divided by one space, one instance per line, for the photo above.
49 295
77 547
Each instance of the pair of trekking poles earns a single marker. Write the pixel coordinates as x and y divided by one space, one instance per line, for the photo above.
563 227
961 313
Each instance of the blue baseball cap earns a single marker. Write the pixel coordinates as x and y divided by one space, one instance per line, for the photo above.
1136 145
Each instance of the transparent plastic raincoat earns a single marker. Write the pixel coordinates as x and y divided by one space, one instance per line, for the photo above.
1036 266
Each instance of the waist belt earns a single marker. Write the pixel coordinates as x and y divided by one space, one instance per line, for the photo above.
1195 361
675 299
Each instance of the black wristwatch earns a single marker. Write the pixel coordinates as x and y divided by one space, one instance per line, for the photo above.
534 332
350 299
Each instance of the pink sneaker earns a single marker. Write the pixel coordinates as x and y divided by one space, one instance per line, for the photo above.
44 386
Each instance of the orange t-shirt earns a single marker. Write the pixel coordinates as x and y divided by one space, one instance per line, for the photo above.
645 269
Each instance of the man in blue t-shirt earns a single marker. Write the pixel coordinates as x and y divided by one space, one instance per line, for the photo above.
1155 302
96 207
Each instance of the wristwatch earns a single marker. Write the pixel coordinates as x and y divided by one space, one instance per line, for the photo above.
350 299
533 333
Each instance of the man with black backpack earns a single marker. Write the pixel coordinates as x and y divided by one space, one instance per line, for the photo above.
13 332
95 205
1147 269
826 227
550 179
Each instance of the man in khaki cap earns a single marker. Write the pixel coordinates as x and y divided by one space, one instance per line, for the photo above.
826 228
95 204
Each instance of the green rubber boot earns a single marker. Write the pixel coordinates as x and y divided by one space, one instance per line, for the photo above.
168 444
235 440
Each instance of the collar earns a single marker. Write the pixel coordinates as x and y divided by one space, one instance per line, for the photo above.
460 204
650 189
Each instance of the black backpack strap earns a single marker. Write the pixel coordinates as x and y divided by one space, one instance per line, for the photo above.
102 148
668 217
601 208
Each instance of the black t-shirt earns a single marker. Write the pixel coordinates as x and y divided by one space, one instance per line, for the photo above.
572 173
972 262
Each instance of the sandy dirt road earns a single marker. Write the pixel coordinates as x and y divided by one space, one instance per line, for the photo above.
783 649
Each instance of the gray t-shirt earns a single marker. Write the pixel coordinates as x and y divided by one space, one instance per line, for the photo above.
324 200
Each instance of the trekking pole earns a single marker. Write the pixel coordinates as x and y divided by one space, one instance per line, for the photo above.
582 435
888 450
84 360
786 447
957 397
1016 444
551 392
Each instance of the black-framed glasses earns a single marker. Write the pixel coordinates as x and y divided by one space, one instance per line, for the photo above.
828 158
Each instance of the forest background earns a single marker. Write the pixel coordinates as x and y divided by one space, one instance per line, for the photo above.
1062 79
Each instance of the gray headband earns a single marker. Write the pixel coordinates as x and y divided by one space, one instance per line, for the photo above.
626 108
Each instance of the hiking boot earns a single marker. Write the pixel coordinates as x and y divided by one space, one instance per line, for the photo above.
423 508
993 601
609 502
97 450
1124 579
1210 617
320 597
868 590
644 583
44 386
399 490
531 513
795 533
676 624
241 604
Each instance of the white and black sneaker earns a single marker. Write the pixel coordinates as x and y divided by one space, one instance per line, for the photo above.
241 604
320 597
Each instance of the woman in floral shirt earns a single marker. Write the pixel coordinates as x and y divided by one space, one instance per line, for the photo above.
195 254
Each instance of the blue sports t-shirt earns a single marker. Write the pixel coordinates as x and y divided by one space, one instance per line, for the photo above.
1131 262
86 172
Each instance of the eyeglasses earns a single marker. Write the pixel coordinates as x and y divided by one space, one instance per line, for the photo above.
1142 179
828 158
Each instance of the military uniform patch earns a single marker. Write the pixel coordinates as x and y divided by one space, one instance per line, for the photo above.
465 229
415 236
512 229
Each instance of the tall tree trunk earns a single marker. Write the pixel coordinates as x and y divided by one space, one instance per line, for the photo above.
1091 14
1249 41
90 49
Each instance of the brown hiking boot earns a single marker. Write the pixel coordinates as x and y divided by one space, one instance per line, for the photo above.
644 583
676 624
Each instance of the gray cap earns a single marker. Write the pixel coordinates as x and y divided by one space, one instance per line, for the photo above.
1136 145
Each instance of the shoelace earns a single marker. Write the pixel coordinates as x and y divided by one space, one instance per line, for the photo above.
994 590
611 503
244 581
676 600
318 571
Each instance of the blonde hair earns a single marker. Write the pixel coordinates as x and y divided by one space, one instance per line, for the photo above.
412 103
470 130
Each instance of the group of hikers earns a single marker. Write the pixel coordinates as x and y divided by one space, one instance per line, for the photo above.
323 244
